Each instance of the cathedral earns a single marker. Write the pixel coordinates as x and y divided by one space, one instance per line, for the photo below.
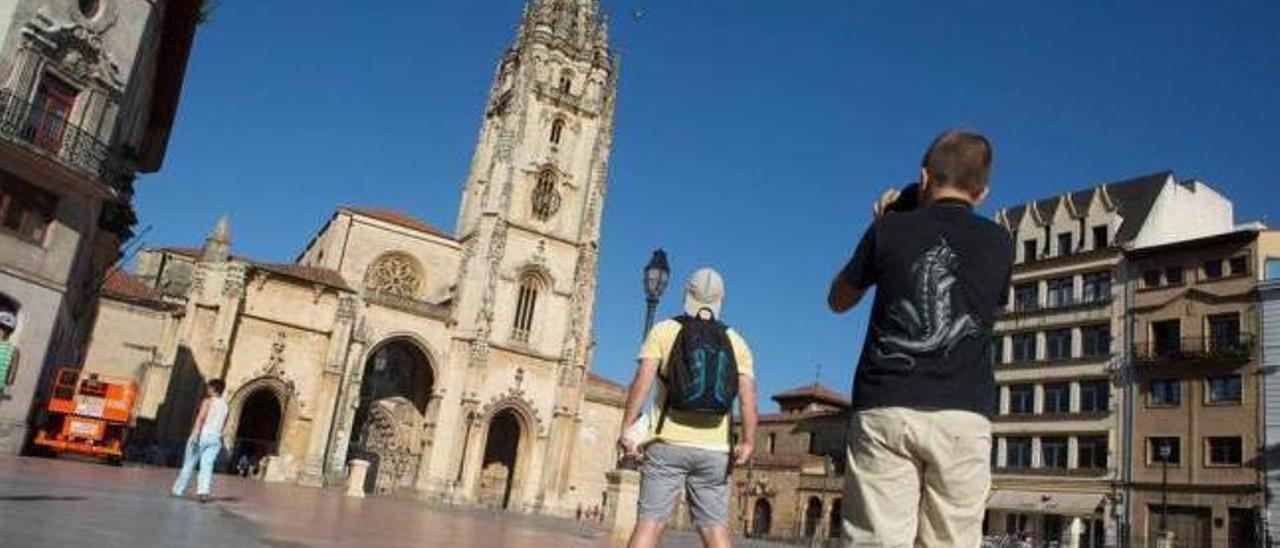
458 364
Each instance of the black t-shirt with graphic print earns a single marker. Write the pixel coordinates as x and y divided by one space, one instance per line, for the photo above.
941 274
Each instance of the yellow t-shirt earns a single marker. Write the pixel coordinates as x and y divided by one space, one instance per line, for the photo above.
687 429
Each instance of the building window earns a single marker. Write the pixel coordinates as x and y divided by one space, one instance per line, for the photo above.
1022 399
1029 251
1151 279
1100 237
1224 333
1064 244
1091 452
526 307
1213 269
1165 393
50 110
1240 266
1058 344
772 442
557 130
1167 337
1061 292
1095 396
1053 453
1057 398
1155 455
1097 340
997 348
1017 452
1024 347
1097 287
1026 297
1273 268
25 210
566 82
546 199
1224 389
1224 451
1174 275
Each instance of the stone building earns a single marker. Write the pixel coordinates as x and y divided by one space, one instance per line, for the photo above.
792 489
1058 454
457 363
1269 342
88 93
1196 322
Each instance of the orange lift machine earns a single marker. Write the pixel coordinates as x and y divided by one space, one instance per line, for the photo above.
88 415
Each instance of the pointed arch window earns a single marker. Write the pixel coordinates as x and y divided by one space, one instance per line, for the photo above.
526 306
546 199
557 130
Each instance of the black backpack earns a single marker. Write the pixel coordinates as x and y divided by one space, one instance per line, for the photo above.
702 371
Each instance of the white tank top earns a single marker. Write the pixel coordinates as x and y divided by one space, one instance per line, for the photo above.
215 418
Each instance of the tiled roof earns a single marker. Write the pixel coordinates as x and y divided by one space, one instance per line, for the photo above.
398 218
323 276
814 391
126 287
1133 197
193 252
597 379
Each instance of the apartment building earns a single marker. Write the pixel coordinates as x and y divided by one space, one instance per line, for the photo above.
1196 359
1057 450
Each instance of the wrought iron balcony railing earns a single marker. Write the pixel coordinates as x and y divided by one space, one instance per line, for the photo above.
52 135
1222 347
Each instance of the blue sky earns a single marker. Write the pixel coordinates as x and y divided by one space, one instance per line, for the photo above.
751 135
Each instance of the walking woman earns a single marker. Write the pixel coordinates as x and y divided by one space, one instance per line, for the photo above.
205 442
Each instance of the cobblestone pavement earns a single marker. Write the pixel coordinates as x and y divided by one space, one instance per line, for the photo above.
62 503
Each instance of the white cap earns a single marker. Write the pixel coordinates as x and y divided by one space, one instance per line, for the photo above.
704 291
8 321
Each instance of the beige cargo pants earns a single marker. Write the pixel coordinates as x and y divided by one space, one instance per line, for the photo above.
916 478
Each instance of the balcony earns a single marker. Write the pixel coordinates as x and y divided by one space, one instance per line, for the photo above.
1226 348
52 136
1025 309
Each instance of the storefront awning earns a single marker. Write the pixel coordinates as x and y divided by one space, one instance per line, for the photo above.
1044 502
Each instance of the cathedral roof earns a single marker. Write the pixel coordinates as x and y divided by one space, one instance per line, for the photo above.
322 276
397 218
592 377
122 286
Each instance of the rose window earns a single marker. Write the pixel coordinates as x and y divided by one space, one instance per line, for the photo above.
395 275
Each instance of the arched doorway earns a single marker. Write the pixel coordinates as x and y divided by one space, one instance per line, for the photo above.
834 523
387 431
761 518
258 427
498 469
812 516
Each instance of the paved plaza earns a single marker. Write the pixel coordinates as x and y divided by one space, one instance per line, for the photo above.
62 503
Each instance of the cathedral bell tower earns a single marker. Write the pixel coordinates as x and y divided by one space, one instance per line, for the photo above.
529 225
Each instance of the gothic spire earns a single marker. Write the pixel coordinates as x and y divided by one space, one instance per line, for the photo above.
578 22
217 246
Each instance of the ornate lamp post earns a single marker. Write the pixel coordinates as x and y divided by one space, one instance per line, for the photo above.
656 276
1165 452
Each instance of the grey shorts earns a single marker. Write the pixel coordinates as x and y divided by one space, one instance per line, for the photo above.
701 473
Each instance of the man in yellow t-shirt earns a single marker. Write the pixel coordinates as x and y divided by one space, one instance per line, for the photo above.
688 451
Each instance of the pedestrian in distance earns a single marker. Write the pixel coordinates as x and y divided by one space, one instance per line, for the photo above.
919 446
205 442
704 366
8 351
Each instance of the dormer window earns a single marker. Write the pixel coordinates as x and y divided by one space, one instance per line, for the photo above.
1029 251
1064 244
1100 237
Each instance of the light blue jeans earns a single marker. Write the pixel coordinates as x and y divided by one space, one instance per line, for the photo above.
205 452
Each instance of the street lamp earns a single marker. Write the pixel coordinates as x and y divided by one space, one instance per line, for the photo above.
656 276
1166 450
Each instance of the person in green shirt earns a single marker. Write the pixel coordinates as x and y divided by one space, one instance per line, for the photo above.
8 352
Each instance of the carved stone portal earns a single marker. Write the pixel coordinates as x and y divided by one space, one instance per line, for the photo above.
391 441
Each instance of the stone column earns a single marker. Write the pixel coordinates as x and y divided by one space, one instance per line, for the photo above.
1074 532
472 458
423 484
327 399
356 478
624 497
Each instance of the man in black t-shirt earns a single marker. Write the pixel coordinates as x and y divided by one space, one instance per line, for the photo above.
919 447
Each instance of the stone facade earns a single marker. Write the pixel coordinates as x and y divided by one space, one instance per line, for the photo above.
1196 366
88 92
456 363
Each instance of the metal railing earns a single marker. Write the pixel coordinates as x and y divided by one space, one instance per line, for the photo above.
52 134
1235 346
